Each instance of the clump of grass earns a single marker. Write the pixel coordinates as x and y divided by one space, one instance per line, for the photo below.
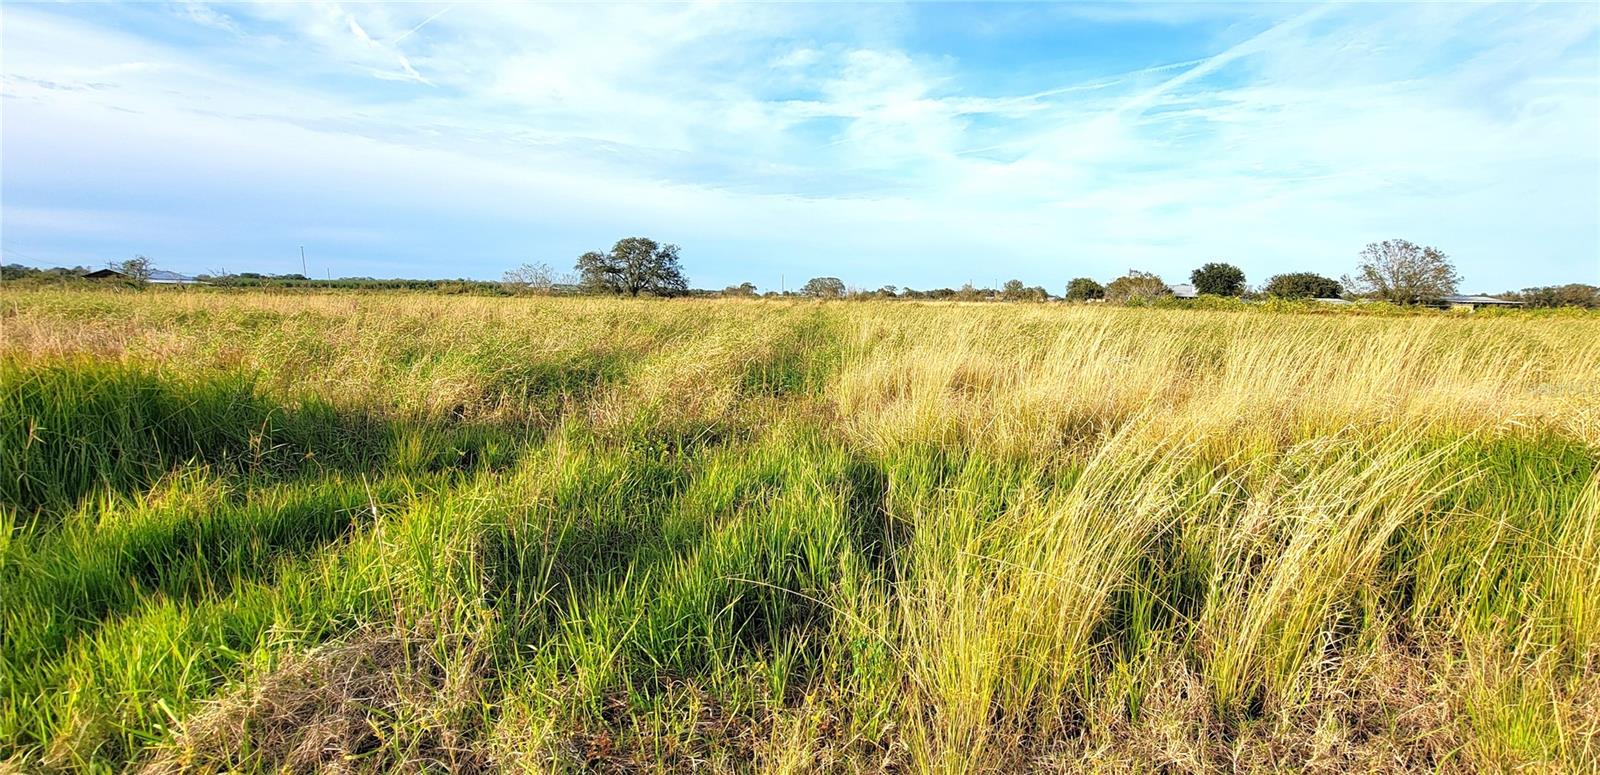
375 700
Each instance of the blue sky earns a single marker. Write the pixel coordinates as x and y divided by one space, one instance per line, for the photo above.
915 145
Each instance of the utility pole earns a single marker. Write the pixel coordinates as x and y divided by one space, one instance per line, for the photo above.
302 260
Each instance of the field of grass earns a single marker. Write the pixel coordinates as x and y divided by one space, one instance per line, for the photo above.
357 533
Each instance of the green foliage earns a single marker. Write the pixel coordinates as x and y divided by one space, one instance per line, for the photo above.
1400 272
1303 285
635 265
71 430
1569 295
1218 279
1014 290
1084 289
823 288
254 281
11 273
1137 287
1200 302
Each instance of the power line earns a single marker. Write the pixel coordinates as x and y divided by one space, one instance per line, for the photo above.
26 257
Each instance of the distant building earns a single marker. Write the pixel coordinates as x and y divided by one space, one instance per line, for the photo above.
157 276
1332 300
1474 302
1184 291
163 277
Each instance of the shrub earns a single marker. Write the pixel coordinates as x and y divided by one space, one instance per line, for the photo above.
1084 289
1137 286
1303 285
1217 279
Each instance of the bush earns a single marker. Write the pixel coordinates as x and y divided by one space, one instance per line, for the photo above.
1084 289
1303 285
1217 279
1137 286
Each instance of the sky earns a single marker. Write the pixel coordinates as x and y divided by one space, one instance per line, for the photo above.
913 145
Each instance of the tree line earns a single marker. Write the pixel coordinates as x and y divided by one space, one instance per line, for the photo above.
1396 271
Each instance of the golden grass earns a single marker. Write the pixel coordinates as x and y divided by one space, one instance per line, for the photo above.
788 537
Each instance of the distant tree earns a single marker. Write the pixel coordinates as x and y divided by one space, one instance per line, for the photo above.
1577 295
1218 279
1569 295
597 273
1303 285
1403 273
137 268
20 272
635 265
1084 289
1013 290
888 292
536 277
1136 285
823 288
741 291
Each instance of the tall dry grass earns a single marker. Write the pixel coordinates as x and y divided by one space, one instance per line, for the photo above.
784 536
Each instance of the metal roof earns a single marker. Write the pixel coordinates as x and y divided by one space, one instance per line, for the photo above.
163 276
1459 299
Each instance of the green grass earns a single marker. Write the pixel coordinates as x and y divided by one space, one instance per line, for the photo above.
252 532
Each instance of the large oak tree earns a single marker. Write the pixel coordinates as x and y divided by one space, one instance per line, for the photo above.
635 265
823 288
